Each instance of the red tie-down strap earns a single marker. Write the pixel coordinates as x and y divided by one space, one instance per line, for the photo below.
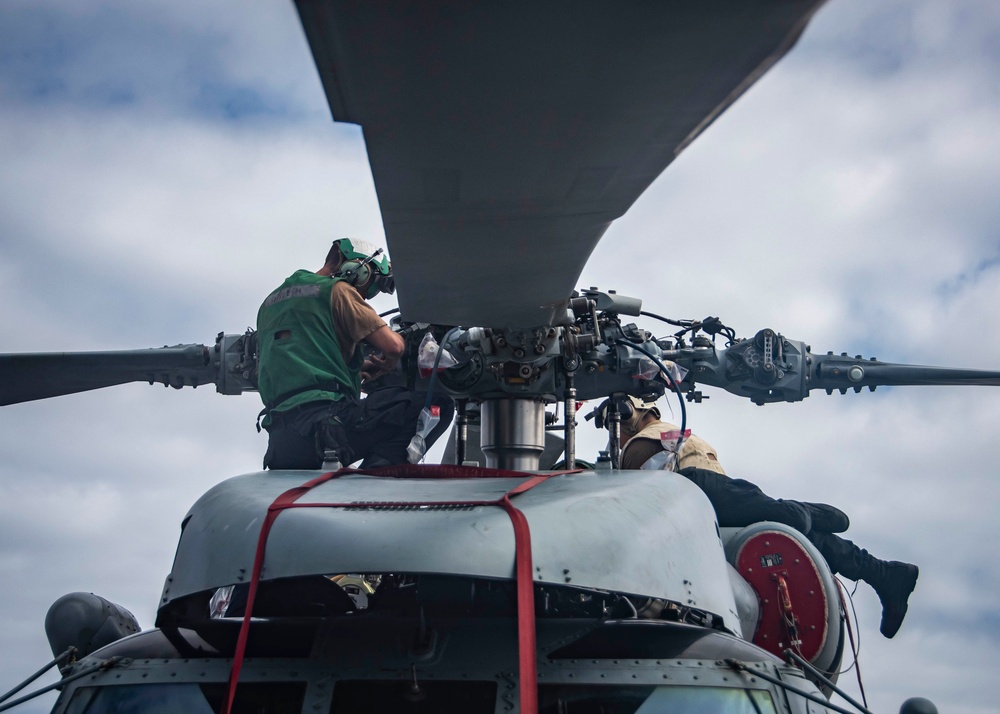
522 555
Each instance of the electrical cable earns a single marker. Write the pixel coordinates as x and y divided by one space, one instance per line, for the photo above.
675 323
844 597
855 648
711 325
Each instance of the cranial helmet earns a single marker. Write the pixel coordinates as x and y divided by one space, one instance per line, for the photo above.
632 409
639 406
365 266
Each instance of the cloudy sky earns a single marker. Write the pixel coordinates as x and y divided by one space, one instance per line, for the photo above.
162 168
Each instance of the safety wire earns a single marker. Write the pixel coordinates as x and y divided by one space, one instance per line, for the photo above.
855 648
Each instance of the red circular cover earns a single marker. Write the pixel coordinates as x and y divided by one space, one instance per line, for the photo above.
788 585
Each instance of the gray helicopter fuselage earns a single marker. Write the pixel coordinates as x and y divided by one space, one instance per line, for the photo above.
441 631
646 533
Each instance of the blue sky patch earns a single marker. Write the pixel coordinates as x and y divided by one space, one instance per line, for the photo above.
116 59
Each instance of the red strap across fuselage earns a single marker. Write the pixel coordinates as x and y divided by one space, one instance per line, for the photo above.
522 555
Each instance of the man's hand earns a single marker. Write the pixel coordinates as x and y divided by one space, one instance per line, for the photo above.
388 348
375 366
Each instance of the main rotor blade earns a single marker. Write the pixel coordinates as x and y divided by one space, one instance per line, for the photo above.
771 368
504 137
26 377
838 373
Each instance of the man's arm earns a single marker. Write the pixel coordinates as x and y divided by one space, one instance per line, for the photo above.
391 347
355 321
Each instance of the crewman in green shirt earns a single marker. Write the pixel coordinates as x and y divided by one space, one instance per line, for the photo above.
310 367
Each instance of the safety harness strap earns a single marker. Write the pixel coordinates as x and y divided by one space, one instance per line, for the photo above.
522 556
282 398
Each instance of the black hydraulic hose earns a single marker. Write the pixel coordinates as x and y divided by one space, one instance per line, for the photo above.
106 664
675 323
70 651
820 676
740 666
711 325
676 387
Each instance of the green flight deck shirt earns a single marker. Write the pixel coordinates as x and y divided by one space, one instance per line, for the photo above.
300 358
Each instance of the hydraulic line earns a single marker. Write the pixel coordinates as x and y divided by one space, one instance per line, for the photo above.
676 388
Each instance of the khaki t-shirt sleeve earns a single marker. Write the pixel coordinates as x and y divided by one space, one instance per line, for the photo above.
353 318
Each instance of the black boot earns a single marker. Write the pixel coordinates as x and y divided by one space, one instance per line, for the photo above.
893 584
893 581
827 518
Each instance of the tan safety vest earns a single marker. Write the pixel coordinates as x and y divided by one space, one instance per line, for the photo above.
695 451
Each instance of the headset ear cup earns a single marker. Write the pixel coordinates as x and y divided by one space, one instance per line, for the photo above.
355 272
348 271
625 409
364 274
